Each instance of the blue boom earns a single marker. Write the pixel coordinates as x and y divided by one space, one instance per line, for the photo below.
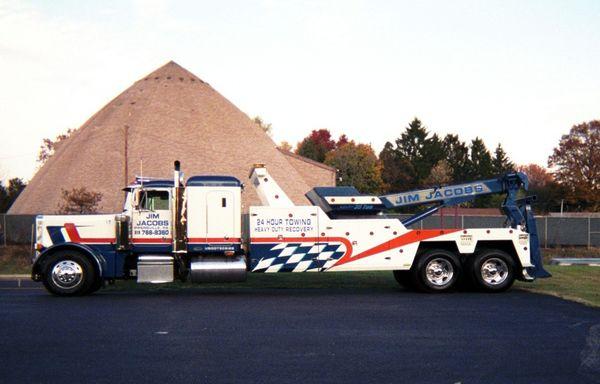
517 211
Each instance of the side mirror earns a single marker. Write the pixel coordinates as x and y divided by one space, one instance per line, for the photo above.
138 196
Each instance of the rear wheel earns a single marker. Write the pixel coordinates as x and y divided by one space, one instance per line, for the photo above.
69 273
436 270
492 270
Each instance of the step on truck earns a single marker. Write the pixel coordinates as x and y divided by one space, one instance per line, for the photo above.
194 230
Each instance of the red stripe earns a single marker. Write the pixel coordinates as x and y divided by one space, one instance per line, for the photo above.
152 240
402 240
214 240
75 238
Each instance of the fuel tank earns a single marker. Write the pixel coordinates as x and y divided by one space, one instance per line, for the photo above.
218 269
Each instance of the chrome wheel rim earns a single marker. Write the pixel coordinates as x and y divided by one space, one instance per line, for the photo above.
439 272
67 274
494 271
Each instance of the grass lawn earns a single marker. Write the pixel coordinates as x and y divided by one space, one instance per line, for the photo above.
15 259
577 283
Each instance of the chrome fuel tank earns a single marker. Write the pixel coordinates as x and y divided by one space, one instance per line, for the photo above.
218 269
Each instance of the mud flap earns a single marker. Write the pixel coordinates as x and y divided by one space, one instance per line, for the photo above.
537 271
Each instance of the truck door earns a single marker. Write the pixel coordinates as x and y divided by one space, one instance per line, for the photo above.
220 216
151 221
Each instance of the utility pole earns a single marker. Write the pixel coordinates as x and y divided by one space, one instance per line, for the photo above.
561 207
125 154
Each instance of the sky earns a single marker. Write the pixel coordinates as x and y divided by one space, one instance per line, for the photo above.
519 73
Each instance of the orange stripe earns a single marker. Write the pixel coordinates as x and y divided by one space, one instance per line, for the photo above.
402 240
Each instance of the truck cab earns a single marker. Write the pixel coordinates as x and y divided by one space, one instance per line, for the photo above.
168 230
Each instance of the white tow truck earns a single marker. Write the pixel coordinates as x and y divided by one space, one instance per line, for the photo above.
192 231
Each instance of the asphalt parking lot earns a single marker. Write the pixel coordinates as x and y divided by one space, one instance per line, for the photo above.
296 336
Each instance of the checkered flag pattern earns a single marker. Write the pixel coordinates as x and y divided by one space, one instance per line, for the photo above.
300 257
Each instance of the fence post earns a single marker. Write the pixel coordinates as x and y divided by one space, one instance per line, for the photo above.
546 232
462 222
589 232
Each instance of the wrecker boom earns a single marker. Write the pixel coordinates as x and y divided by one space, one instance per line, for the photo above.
517 211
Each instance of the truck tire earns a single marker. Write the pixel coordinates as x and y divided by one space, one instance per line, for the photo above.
95 286
436 270
69 273
491 270
404 278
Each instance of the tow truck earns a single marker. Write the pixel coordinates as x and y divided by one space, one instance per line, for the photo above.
194 230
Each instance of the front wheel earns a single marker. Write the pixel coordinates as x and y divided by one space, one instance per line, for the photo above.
492 270
436 270
69 273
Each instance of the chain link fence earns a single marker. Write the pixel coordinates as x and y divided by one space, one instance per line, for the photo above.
553 231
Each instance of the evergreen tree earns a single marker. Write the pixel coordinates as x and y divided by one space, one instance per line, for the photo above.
409 163
501 163
9 194
397 173
480 162
457 154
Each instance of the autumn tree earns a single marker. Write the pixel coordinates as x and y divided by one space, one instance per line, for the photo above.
538 176
500 162
79 201
577 163
266 127
49 147
316 145
285 146
440 174
357 165
10 192
542 184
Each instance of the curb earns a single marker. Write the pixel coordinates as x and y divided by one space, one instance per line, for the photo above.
17 281
593 262
15 277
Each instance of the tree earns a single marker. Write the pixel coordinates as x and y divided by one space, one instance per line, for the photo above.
79 201
456 152
357 165
9 194
285 146
396 172
266 127
343 139
538 176
541 184
408 164
501 163
316 145
441 173
577 163
49 146
480 162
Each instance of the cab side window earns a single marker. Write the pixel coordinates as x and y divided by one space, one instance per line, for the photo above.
154 201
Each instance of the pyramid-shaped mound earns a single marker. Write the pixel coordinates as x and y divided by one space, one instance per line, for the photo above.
168 115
